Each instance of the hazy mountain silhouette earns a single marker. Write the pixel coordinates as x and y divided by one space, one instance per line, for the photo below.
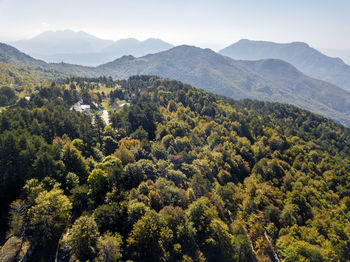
305 58
137 48
85 49
64 41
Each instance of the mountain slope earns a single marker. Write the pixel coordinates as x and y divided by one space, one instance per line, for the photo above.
14 57
312 94
306 59
200 67
11 55
343 54
269 80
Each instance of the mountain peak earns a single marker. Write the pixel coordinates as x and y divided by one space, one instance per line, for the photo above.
244 40
186 47
63 33
300 44
182 50
153 39
128 39
191 47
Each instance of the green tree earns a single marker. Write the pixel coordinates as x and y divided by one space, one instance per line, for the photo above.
50 214
83 238
7 96
201 212
150 239
73 161
109 145
136 211
98 184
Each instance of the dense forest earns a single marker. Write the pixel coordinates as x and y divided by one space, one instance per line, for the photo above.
176 174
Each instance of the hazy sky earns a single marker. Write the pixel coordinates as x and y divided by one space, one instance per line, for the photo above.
323 24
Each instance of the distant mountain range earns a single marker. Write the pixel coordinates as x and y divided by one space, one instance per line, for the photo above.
307 59
81 48
85 49
61 42
269 79
136 48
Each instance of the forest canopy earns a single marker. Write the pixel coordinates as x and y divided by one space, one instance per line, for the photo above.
176 174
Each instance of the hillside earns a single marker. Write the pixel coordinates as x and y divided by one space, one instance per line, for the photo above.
11 55
307 59
14 57
312 94
180 175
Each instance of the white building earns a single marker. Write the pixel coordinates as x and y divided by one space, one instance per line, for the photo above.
80 107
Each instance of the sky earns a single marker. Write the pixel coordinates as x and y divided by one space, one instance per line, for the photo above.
323 24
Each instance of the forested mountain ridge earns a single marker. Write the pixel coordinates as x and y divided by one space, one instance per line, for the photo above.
180 175
307 59
269 80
